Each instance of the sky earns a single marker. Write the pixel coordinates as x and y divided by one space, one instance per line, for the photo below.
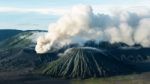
38 14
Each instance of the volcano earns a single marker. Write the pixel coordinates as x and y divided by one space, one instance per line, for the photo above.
85 62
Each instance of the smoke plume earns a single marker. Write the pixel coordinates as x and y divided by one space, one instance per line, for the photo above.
82 24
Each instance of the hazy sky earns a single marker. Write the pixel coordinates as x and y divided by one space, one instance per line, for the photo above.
37 14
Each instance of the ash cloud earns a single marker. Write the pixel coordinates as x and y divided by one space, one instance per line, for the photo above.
82 24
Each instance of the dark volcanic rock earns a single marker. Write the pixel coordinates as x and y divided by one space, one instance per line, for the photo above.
138 57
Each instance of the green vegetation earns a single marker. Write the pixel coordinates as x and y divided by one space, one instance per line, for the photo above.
124 79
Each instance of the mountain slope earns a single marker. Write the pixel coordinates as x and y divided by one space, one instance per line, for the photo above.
18 59
138 57
7 33
17 52
85 62
23 39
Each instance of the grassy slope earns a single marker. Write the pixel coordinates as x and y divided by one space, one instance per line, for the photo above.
126 79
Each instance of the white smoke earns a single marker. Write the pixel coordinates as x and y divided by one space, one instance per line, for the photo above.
82 24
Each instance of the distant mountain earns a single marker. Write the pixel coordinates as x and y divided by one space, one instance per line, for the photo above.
7 33
23 39
17 52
